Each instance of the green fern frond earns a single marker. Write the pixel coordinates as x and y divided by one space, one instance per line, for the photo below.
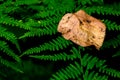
49 21
75 71
111 25
61 56
10 37
32 23
46 28
104 10
5 48
56 57
10 64
40 18
45 14
93 76
26 2
114 42
55 44
111 72
90 2
52 9
71 71
4 19
84 70
64 6
91 62
100 64
7 8
40 32
117 54
32 33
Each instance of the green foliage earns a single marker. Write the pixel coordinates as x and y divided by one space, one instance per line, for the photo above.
55 44
4 47
111 25
114 42
61 56
10 64
104 10
23 21
82 70
117 54
9 36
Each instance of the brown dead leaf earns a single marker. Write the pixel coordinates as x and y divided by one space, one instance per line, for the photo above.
82 29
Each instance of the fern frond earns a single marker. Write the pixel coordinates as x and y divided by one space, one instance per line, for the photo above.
55 44
49 21
117 54
111 25
62 8
5 48
75 71
10 64
53 10
4 19
56 57
10 37
104 10
114 42
40 32
85 71
100 64
91 62
5 9
45 14
93 76
111 72
26 2
71 71
46 28
61 56
85 2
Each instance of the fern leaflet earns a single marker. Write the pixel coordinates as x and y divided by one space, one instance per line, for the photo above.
10 37
10 64
5 48
61 56
55 44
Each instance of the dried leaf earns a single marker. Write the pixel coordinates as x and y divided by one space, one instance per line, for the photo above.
82 29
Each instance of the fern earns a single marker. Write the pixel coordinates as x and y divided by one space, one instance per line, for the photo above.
94 76
61 56
99 9
111 25
10 64
27 2
90 2
4 47
23 20
117 54
40 32
5 9
83 71
52 46
114 42
106 10
9 36
11 21
71 71
111 72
